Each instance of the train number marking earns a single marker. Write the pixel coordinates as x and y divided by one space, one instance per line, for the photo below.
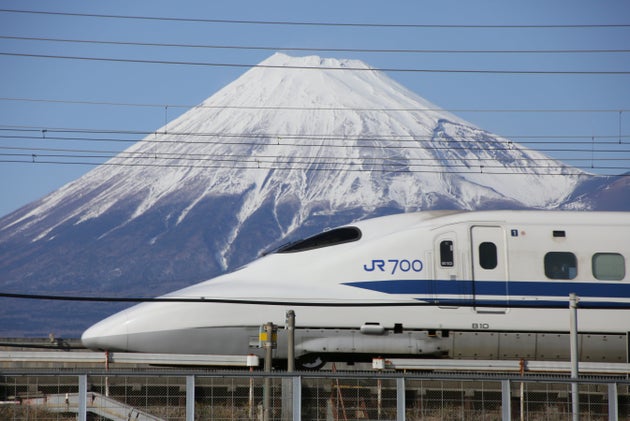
394 265
480 326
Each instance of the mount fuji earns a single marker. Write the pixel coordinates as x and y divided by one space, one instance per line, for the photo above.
293 146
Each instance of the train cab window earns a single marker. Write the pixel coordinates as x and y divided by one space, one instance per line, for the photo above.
488 255
446 253
608 266
560 265
325 239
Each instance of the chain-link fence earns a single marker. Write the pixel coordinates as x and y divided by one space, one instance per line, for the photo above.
240 395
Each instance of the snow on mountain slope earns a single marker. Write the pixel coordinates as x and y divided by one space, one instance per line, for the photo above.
251 134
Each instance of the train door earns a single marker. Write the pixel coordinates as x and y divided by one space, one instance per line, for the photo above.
489 269
446 269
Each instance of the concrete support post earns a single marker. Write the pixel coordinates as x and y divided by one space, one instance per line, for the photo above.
290 341
287 399
288 389
268 342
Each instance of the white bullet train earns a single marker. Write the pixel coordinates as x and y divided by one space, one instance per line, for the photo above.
454 284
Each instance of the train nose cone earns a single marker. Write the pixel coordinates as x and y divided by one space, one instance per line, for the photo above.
108 335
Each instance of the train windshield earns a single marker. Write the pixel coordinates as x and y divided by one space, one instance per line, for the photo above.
325 239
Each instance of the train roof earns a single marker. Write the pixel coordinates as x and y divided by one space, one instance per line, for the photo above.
386 225
440 218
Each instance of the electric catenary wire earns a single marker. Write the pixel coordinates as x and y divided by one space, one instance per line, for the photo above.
315 302
293 67
564 143
313 108
305 162
323 24
315 49
302 163
275 137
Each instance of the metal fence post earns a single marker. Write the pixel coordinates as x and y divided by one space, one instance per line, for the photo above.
400 399
506 400
613 408
575 356
82 409
297 398
190 398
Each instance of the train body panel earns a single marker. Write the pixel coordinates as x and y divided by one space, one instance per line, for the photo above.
491 272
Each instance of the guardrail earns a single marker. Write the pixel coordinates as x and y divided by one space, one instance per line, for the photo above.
507 366
129 358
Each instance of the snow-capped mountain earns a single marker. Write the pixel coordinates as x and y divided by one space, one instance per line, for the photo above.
293 146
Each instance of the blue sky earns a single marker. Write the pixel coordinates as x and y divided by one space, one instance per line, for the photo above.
39 94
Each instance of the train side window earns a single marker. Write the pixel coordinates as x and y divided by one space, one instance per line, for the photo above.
608 266
560 265
446 253
488 255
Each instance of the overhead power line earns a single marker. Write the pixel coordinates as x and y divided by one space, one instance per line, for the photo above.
277 158
315 49
293 67
276 138
148 159
607 153
289 301
154 155
237 165
587 155
321 23
314 108
307 162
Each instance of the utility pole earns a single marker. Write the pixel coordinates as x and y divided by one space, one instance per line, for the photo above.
290 341
288 391
268 338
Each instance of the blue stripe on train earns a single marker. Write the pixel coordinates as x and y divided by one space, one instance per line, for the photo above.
507 288
447 302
